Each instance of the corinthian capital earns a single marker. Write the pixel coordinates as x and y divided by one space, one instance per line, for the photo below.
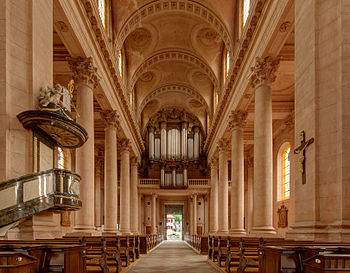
264 71
223 144
110 118
84 71
237 119
125 145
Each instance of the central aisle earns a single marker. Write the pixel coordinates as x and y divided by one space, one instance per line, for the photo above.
173 256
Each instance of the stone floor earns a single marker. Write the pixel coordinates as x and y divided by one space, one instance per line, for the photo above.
173 256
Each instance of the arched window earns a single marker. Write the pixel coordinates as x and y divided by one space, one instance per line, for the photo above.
227 63
102 8
286 173
120 63
60 158
245 11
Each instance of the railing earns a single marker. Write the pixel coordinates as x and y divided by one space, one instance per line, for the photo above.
26 195
198 182
149 181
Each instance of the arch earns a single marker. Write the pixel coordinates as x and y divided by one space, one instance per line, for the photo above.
174 55
160 6
283 172
182 88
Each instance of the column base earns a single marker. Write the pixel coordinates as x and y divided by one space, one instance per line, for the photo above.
222 232
110 230
266 231
318 231
237 232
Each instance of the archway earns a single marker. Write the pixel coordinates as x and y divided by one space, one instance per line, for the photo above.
174 221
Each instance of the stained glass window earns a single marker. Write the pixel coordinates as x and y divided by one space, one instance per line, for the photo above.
102 11
245 11
60 158
286 173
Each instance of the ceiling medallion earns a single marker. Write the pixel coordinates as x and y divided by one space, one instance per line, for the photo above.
199 76
147 76
195 103
140 38
208 37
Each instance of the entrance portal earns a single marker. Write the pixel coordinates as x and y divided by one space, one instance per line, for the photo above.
174 219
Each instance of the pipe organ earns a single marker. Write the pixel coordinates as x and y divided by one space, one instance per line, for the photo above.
174 143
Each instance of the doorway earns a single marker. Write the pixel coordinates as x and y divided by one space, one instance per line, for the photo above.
174 221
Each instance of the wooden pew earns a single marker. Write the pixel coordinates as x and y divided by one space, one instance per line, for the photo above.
132 248
210 247
50 256
328 263
16 262
293 254
222 249
233 253
124 249
215 247
143 244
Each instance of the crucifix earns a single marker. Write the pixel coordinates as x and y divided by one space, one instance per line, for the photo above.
301 152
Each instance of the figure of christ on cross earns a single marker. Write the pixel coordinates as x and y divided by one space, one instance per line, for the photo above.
301 151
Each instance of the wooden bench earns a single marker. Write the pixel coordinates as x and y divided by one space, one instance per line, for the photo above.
328 262
16 262
222 249
124 249
50 257
293 254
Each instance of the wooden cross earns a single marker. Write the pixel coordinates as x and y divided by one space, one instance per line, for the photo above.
301 151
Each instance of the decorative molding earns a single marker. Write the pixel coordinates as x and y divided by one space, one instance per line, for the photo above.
285 26
84 72
255 13
162 6
264 71
125 145
173 88
110 118
237 119
174 55
173 114
110 60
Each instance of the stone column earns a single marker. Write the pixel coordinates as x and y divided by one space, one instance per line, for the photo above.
125 186
154 212
250 207
134 206
98 179
86 80
237 122
110 119
223 187
213 195
263 74
194 214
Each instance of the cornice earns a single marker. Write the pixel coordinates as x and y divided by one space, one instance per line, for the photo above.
174 54
162 6
109 58
240 53
177 87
